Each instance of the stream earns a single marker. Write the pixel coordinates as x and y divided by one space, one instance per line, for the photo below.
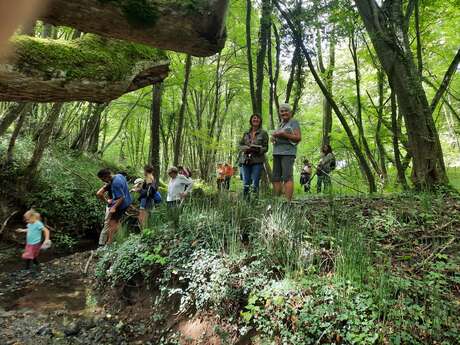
56 304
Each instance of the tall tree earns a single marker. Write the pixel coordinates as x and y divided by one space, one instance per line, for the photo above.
181 116
12 113
264 32
249 55
155 124
363 164
328 75
388 26
42 143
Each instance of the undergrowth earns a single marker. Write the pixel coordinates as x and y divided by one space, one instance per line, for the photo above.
331 271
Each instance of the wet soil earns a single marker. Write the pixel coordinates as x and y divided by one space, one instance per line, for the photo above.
57 304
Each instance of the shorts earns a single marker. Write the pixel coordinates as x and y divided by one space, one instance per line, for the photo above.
282 168
31 252
118 214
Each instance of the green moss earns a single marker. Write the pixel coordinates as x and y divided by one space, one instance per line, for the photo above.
89 57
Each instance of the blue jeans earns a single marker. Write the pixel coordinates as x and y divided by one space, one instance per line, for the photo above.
251 176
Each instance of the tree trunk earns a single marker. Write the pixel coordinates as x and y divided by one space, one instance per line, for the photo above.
95 127
328 76
378 138
42 143
13 112
155 123
394 124
290 82
181 117
277 70
14 136
249 55
390 39
418 37
364 165
265 23
271 79
359 107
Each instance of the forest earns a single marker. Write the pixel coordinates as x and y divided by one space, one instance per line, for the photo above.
230 172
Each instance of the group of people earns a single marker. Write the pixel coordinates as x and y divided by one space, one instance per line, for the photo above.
115 193
323 171
254 145
224 174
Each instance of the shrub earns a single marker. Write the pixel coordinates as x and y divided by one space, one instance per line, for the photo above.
120 264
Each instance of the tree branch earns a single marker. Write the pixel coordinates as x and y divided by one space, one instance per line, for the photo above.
445 81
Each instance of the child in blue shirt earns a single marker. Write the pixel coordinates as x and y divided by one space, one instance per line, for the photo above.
34 231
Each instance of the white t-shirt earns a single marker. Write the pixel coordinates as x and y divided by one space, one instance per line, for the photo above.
178 185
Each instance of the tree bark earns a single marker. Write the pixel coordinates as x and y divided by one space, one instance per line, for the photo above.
17 129
378 137
95 128
181 117
13 112
390 39
394 125
418 37
265 23
271 79
359 106
155 125
152 22
445 81
71 73
328 77
42 143
277 69
290 82
249 55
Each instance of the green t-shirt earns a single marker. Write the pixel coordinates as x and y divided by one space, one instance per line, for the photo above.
283 146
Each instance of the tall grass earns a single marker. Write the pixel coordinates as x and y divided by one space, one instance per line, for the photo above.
352 261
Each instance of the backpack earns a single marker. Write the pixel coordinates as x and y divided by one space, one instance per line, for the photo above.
157 197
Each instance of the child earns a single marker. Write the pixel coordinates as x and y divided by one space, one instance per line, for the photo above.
147 192
34 237
305 176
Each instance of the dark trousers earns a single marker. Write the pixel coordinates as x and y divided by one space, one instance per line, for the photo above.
29 261
227 182
325 181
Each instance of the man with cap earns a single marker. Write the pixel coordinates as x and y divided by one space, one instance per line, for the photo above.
285 140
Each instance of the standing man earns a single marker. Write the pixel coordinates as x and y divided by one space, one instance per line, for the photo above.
285 140
121 199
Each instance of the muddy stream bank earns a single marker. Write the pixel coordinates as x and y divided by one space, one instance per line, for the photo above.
57 304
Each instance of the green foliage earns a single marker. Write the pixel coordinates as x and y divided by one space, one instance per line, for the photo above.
119 264
318 310
328 271
282 237
63 192
64 241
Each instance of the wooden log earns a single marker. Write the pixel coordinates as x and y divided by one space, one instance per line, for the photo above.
90 68
196 27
